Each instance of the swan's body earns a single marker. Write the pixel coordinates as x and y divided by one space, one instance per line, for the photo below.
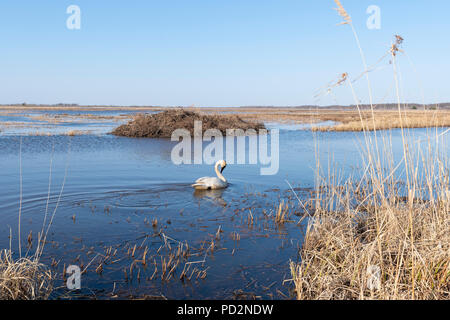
212 183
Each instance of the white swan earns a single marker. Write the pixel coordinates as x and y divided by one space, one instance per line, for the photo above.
211 183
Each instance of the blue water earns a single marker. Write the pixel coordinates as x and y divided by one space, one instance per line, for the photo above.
114 187
29 122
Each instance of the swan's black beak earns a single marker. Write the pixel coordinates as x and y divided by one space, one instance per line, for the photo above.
222 169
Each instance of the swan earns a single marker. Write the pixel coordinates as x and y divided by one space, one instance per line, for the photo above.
211 183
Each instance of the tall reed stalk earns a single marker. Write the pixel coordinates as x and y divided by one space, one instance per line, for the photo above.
26 278
393 218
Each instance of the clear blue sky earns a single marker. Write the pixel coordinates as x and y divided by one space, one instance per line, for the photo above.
215 53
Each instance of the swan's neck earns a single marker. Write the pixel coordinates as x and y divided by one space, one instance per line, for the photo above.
219 175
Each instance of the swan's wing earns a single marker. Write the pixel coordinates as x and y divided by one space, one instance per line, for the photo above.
204 183
200 186
202 179
209 183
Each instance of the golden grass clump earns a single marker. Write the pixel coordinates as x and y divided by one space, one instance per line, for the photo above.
73 133
385 234
23 279
384 119
341 249
397 225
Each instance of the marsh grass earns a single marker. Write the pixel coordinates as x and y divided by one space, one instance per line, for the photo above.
24 278
392 217
384 120
356 228
73 133
22 275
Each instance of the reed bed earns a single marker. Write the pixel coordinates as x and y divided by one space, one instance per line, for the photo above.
407 240
384 119
385 233
22 275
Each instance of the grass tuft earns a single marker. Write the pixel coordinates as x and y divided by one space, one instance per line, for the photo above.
23 279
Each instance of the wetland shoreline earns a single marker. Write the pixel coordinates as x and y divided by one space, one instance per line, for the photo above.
129 218
342 118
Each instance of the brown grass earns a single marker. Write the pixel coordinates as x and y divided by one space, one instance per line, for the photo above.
385 234
382 120
77 132
76 118
23 279
162 125
409 242
347 118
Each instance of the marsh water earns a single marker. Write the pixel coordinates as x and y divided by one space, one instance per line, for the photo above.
121 210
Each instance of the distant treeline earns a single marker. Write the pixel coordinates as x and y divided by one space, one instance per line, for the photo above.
70 105
384 106
24 104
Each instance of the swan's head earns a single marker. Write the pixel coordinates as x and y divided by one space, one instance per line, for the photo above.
222 164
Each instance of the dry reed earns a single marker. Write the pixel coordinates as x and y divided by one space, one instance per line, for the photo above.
23 279
163 124
385 234
26 278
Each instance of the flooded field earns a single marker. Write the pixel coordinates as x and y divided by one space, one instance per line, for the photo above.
130 219
61 122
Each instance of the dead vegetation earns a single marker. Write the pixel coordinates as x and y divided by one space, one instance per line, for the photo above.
409 243
384 234
384 119
172 260
72 133
62 118
23 279
345 118
163 124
